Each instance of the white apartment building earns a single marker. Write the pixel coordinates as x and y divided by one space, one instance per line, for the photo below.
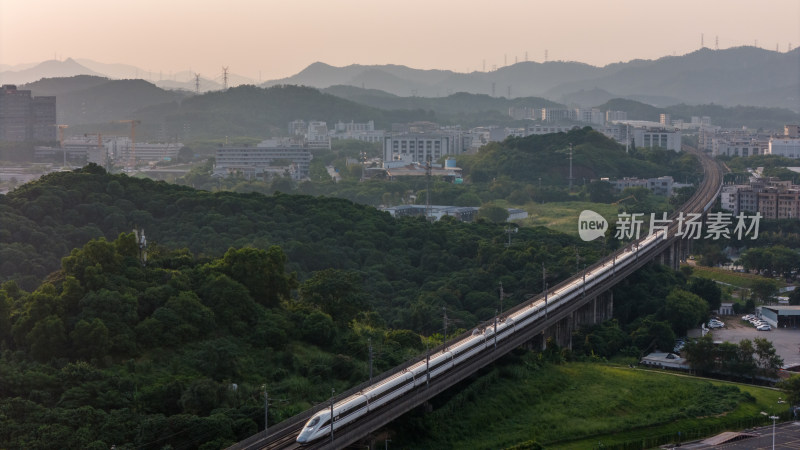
317 136
416 147
263 159
557 114
547 129
121 150
593 116
657 137
784 146
737 145
364 132
612 116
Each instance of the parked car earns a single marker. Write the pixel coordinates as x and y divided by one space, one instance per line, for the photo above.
763 327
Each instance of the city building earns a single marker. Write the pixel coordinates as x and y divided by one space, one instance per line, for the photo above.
738 144
658 186
269 158
24 118
657 137
364 132
416 147
613 116
314 133
121 150
784 146
590 115
773 198
419 146
436 212
554 115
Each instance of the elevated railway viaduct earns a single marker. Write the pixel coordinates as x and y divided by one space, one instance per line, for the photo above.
586 303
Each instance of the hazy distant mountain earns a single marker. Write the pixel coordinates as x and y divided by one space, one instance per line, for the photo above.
47 69
184 80
88 100
706 76
727 77
460 104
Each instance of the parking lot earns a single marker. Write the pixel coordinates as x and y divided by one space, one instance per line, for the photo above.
785 340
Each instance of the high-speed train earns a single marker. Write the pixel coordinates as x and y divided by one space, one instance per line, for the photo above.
482 339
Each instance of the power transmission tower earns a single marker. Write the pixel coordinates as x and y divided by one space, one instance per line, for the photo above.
197 83
225 78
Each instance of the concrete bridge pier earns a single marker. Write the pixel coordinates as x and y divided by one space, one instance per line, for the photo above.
596 310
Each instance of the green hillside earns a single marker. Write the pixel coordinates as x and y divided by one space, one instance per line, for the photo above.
594 156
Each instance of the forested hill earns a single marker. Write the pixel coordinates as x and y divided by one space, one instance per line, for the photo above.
594 156
239 291
44 220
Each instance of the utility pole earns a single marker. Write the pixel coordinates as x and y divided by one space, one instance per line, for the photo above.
444 308
266 412
501 297
495 329
544 284
333 392
370 360
570 167
428 188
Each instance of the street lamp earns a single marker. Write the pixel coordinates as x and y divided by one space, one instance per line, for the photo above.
774 418
509 231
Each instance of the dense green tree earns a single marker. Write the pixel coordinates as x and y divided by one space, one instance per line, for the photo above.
90 339
601 192
493 213
764 290
48 338
767 357
262 272
700 354
708 290
335 292
684 310
791 387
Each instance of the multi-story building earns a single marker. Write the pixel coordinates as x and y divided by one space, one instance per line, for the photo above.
658 186
315 133
736 144
553 115
593 116
267 158
613 116
416 147
657 137
25 118
364 132
784 146
773 198
547 129
122 151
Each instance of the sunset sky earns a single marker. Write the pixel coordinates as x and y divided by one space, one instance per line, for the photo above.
266 39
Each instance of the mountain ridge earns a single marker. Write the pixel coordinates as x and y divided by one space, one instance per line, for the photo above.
726 77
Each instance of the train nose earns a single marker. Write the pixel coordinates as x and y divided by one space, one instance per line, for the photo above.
302 438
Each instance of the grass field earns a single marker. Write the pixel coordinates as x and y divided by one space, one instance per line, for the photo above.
563 216
744 280
582 405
